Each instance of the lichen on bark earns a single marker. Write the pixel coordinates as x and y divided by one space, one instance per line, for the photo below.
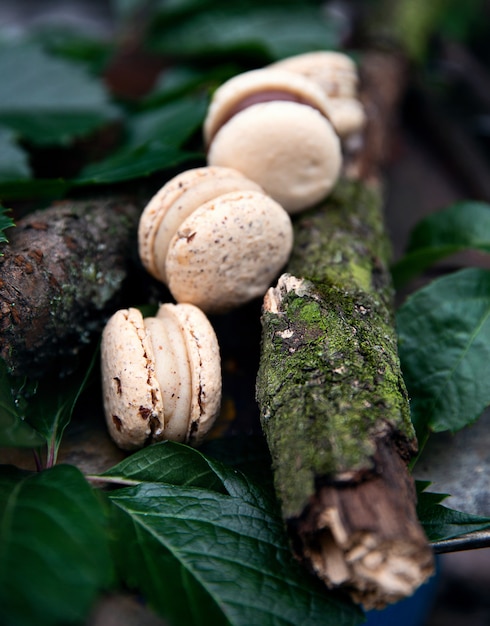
329 383
62 274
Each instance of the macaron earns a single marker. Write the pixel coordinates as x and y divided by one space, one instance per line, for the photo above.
334 72
274 127
161 376
337 76
174 202
214 238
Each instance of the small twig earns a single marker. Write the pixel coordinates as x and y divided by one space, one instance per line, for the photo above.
37 460
472 541
112 480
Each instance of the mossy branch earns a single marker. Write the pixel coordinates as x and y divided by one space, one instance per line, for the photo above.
329 369
333 403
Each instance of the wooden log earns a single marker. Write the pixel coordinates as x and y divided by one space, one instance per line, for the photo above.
333 403
61 274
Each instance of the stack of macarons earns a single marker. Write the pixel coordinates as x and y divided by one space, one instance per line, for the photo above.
218 235
161 376
214 238
337 76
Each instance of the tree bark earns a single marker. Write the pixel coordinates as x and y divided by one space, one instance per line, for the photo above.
333 403
61 275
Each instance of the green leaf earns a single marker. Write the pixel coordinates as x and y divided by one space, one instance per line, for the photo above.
131 164
54 553
154 143
14 162
462 226
248 453
168 462
215 555
176 81
440 522
171 124
34 188
14 432
273 31
93 51
178 464
50 408
444 344
49 100
5 222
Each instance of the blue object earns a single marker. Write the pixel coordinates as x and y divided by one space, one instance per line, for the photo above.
412 611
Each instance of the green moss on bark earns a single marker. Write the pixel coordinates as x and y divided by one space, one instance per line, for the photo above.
343 242
329 383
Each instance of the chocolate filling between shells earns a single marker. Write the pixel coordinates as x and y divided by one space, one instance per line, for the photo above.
259 97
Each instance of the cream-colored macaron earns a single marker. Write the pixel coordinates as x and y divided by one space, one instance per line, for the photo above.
262 85
336 74
161 376
174 202
273 126
214 238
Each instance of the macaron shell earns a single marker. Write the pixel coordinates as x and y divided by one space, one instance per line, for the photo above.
173 373
131 393
226 98
335 72
289 149
220 180
229 251
168 198
205 366
347 115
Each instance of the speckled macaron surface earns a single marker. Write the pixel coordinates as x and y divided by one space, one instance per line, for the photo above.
204 355
161 376
175 201
228 251
132 397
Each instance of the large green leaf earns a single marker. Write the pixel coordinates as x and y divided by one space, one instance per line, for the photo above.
444 343
216 555
154 143
170 463
274 30
34 188
462 226
14 432
54 552
91 50
170 124
441 522
50 407
134 163
174 82
46 99
14 162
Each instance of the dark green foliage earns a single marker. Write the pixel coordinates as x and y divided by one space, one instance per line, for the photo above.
54 557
